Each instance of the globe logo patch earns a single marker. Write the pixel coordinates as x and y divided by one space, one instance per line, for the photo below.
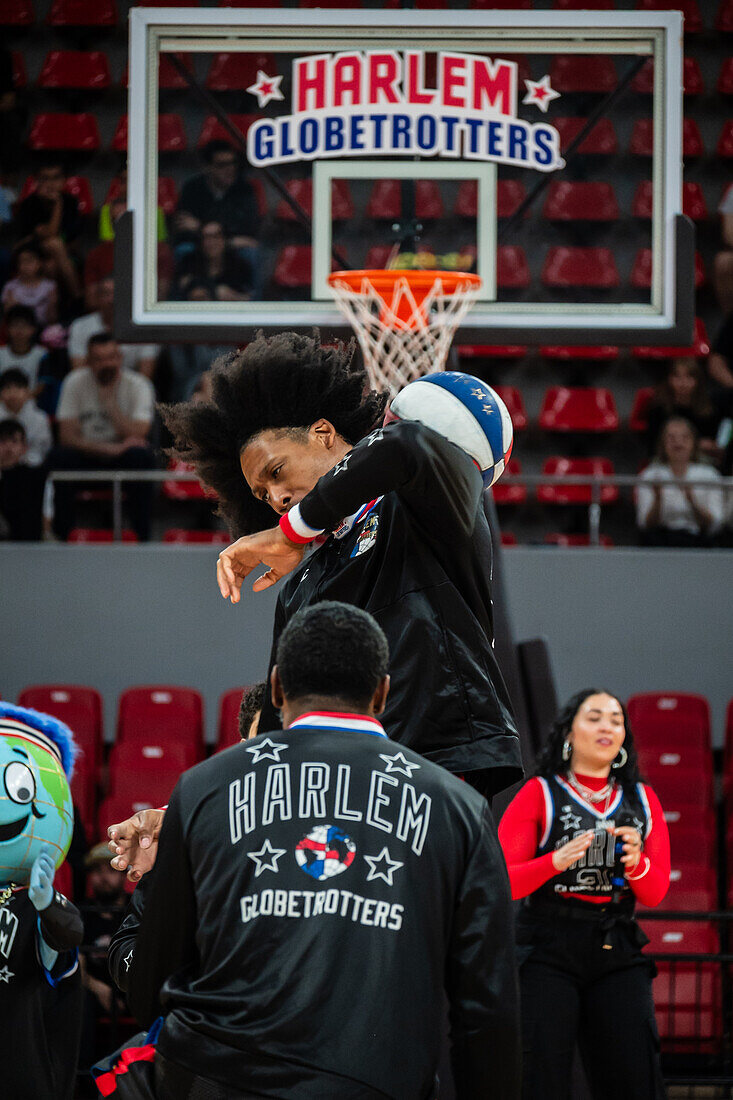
325 851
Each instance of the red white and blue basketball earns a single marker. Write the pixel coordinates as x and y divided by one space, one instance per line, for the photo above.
325 852
465 410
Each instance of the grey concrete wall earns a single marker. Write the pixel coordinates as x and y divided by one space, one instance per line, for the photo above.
116 616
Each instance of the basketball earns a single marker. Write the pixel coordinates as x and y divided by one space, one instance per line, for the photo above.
465 410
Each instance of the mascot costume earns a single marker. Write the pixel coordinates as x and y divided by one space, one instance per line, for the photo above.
40 930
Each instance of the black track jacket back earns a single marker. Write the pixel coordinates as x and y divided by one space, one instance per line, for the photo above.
315 892
419 561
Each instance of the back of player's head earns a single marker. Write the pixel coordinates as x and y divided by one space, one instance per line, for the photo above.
285 382
335 650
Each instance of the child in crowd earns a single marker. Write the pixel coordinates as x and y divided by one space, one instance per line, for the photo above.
22 350
684 393
16 403
30 287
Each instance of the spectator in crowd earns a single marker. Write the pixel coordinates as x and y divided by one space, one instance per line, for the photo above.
720 368
679 514
16 403
22 350
683 393
21 486
29 287
723 264
135 357
50 217
12 115
105 414
215 266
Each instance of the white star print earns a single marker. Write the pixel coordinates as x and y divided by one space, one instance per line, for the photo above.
540 94
266 88
128 959
382 866
375 437
6 975
569 819
266 859
266 750
398 763
341 466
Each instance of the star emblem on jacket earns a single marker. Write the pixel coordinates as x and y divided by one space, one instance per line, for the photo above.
382 866
266 859
6 975
398 763
266 750
569 819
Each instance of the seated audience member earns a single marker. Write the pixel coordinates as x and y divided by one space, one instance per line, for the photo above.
683 393
135 357
216 266
720 368
29 287
22 350
21 487
50 217
723 264
402 905
584 820
189 362
104 416
678 514
16 403
250 709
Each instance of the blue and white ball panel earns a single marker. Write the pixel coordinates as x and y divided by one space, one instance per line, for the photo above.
465 410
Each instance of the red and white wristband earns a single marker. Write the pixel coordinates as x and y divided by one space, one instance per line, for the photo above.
636 874
295 529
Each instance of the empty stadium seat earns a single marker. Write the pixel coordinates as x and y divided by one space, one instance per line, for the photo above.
212 129
293 267
587 267
491 351
691 843
724 147
690 11
75 69
601 140
725 77
162 710
131 753
183 490
578 409
692 888
57 130
680 937
693 201
17 13
99 535
169 76
508 538
509 195
572 493
643 82
504 493
638 419
512 398
670 718
171 134
228 727
641 272
558 538
699 347
237 71
595 352
83 13
342 206
642 138
580 202
81 709
581 73
385 200
512 269
192 538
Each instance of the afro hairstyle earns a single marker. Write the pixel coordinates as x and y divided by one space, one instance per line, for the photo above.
285 381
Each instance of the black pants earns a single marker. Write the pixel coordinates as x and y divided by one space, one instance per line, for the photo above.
139 494
175 1082
574 991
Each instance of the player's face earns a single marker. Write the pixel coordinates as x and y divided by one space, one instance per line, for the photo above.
597 733
282 466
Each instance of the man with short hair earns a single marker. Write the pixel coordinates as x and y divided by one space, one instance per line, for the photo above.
220 193
141 358
317 891
104 415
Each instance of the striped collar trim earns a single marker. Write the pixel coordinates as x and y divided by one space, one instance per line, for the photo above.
333 720
602 814
9 727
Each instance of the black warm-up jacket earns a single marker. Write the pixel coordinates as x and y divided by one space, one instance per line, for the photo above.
420 563
284 977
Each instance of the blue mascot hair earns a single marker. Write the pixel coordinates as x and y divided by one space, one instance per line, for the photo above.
57 731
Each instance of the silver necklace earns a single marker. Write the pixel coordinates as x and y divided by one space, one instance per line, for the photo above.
587 793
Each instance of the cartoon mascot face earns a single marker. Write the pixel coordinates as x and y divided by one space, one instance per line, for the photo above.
36 762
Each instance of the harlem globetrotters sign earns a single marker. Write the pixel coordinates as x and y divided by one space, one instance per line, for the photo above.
377 103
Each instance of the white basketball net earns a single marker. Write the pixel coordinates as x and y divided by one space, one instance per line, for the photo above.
402 338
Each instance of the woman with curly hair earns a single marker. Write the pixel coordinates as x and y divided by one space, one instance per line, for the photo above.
583 841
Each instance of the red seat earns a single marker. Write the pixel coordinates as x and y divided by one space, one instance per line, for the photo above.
512 398
680 937
670 718
699 348
330 4
167 195
501 5
693 201
169 77
643 82
584 5
228 728
724 17
597 353
589 267
508 538
19 74
581 73
512 269
692 18
56 130
171 134
237 71
696 843
84 794
80 708
132 753
99 535
166 3
580 202
641 272
725 141
385 200
578 409
155 715
692 888
642 138
638 420
209 538
509 195
212 129
183 490
137 792
690 757
557 538
725 78
293 267
570 493
17 13
75 69
600 141
83 13
342 206
491 351
510 494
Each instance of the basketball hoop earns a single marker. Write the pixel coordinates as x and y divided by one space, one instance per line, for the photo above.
404 320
